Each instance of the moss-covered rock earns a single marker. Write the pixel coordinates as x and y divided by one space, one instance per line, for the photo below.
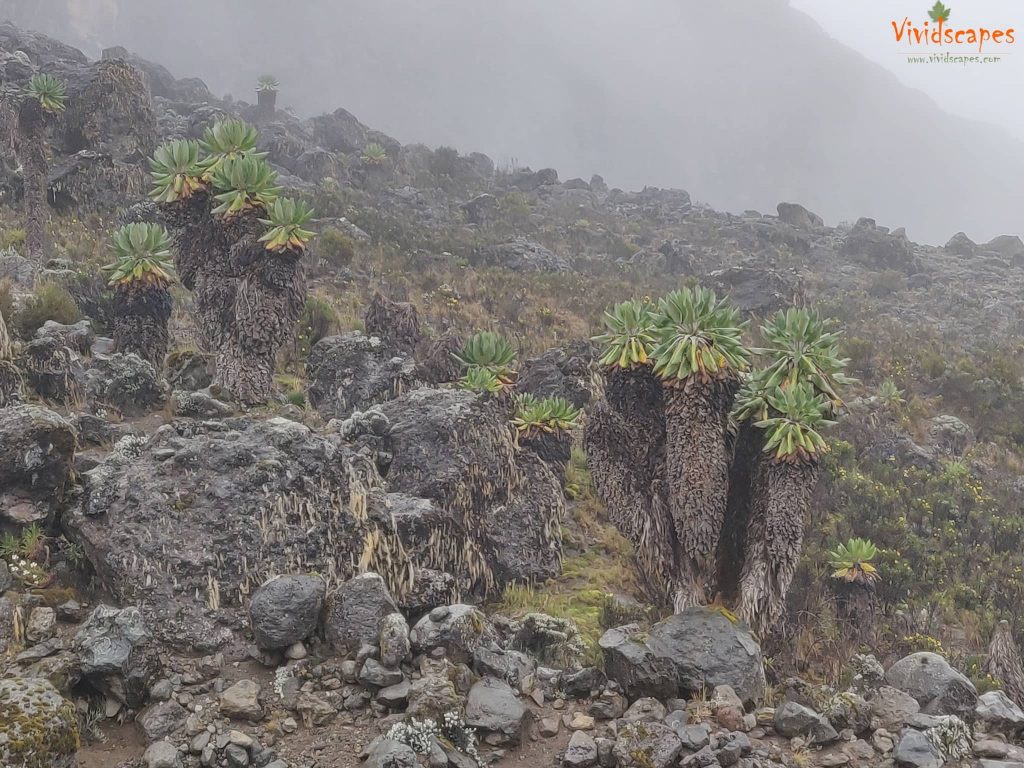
38 727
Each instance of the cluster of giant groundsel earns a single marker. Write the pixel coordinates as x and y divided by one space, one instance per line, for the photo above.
238 246
705 460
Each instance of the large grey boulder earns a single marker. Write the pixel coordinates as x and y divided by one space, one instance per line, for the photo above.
355 612
793 719
286 609
38 727
892 708
634 666
354 371
707 650
1008 246
797 216
215 508
520 255
950 434
937 687
756 289
37 448
493 707
581 752
875 246
502 502
78 336
915 750
459 629
997 712
127 382
117 655
560 372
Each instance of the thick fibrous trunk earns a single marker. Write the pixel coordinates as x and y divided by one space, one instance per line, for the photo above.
267 303
396 323
246 298
748 445
624 439
437 363
780 498
553 448
140 325
855 607
266 101
1004 662
32 149
697 450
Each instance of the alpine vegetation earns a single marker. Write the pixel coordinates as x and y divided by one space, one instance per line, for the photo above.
238 249
707 465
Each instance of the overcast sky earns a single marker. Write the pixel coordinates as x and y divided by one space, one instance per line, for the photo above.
991 92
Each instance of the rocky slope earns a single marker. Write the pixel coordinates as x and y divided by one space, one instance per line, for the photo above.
282 586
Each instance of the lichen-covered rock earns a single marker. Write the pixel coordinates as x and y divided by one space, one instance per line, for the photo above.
998 713
647 745
875 246
459 629
286 609
191 521
395 646
520 255
796 215
493 707
78 336
708 649
38 727
50 368
554 641
355 613
455 449
127 382
199 405
37 449
914 750
354 371
937 687
562 372
117 655
635 667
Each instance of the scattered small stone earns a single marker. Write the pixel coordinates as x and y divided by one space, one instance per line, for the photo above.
914 750
41 624
581 752
70 612
162 720
237 757
376 675
162 690
199 742
241 701
548 726
296 651
161 754
580 722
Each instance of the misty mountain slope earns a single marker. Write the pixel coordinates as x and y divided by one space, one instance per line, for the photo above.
741 108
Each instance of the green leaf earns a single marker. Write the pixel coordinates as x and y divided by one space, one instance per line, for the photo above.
939 12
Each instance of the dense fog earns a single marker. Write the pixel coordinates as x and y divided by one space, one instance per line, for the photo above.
741 107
